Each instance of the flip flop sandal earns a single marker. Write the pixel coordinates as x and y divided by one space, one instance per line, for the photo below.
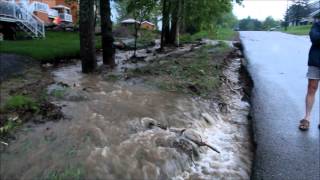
304 125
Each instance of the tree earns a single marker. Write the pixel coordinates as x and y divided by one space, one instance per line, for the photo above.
87 44
227 20
188 16
121 8
249 24
298 10
192 16
269 22
140 9
165 22
285 23
106 32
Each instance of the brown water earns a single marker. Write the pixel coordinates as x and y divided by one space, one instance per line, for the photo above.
107 134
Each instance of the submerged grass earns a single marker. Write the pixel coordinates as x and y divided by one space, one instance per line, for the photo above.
9 126
15 103
74 173
196 73
21 102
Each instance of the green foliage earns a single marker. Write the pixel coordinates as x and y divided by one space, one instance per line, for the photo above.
219 34
195 16
112 77
250 24
186 38
298 10
298 30
147 36
204 14
16 103
56 45
141 9
225 34
121 8
58 93
74 173
21 102
270 23
227 20
150 9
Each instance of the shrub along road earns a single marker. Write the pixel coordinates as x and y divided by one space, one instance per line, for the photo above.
278 65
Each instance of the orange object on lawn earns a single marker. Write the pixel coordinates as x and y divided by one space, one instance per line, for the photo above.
57 20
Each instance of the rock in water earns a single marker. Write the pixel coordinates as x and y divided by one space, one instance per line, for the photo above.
148 122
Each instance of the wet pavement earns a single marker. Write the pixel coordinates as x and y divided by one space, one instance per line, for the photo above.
277 63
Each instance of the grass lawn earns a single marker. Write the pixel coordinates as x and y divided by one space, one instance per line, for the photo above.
56 45
298 30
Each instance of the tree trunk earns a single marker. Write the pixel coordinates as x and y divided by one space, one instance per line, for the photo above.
174 24
182 17
165 23
95 15
180 6
136 28
106 32
87 44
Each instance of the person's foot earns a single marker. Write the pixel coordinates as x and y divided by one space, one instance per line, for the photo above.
304 125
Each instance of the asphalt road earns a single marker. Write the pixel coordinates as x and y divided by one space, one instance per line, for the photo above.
277 63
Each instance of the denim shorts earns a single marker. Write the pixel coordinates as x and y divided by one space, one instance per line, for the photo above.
313 72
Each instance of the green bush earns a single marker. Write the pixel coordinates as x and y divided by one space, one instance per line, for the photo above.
75 173
225 34
219 34
185 38
21 102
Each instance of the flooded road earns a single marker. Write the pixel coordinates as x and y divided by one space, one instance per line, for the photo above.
126 130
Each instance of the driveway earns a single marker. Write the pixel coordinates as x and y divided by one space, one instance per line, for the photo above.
277 63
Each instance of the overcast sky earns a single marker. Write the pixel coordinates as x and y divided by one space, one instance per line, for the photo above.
260 9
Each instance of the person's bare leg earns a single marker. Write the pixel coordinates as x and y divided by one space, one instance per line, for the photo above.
312 90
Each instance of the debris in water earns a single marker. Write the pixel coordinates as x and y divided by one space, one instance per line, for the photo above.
4 143
196 138
62 84
208 118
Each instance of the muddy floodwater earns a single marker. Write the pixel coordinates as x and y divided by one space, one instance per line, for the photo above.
128 130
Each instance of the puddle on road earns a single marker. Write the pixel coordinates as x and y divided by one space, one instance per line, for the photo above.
108 134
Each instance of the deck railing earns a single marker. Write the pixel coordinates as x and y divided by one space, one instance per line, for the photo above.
12 12
52 13
65 17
